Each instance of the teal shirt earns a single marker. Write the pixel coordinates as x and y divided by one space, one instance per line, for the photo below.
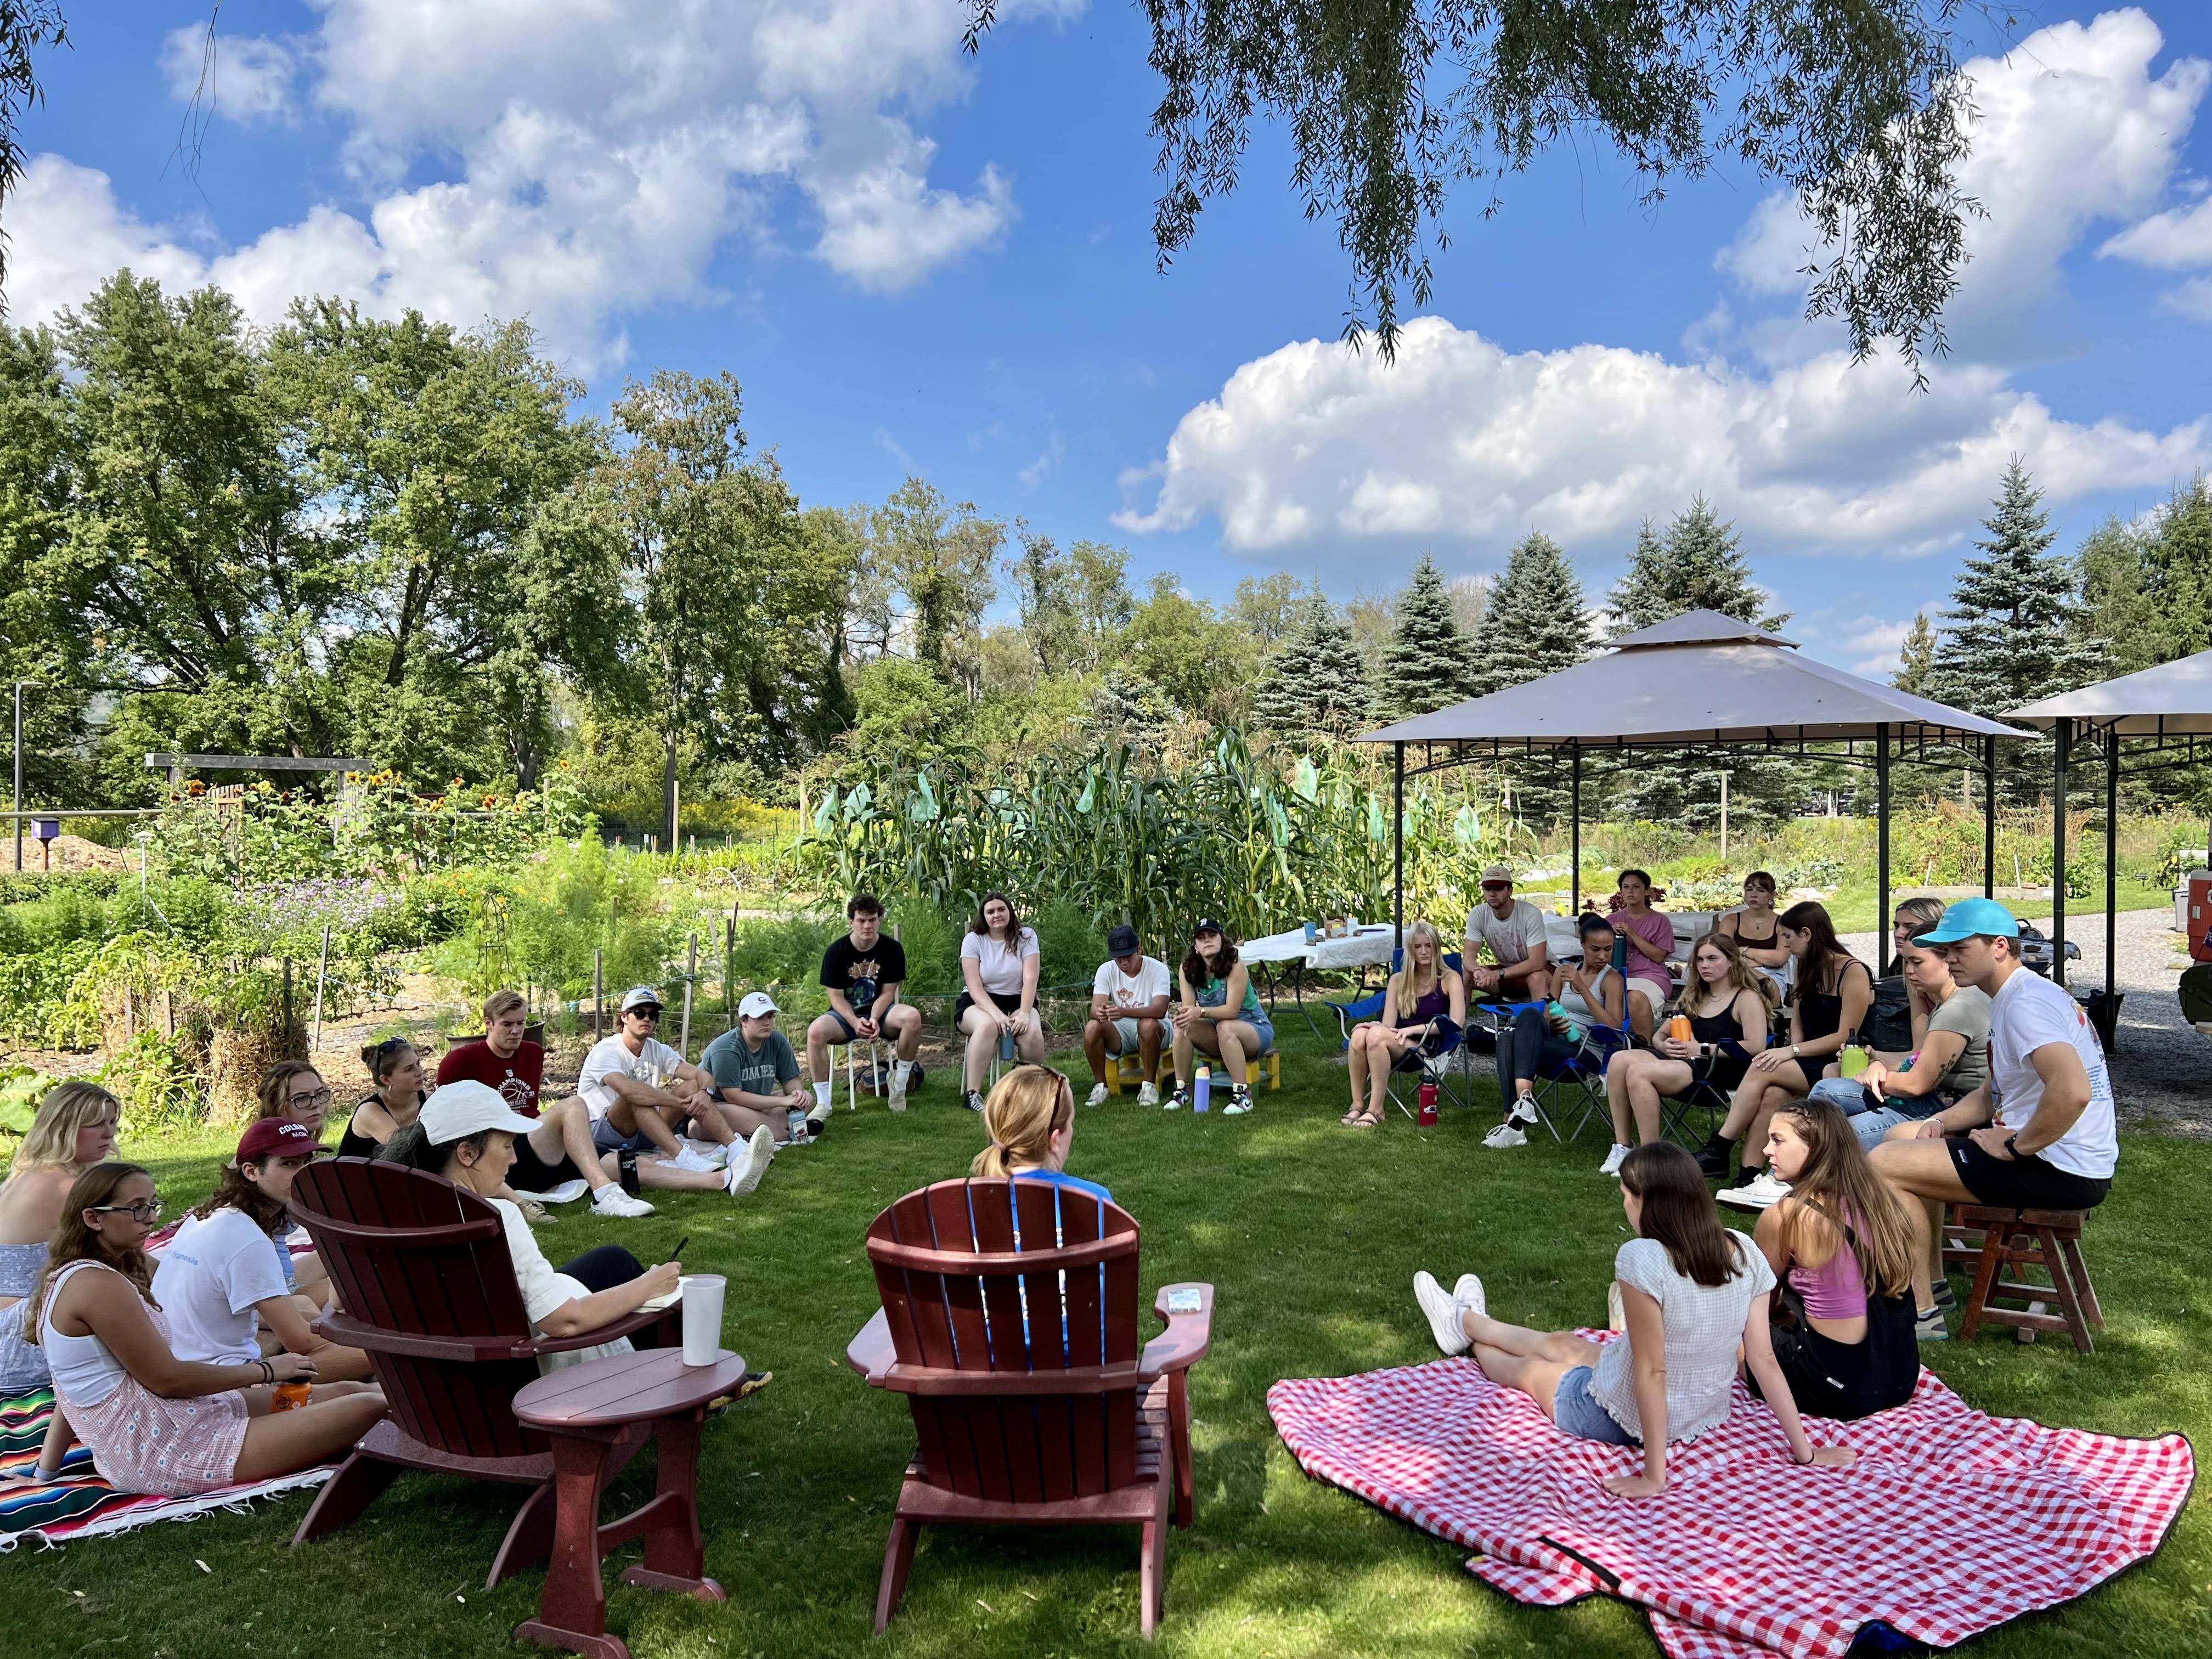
760 1071
1212 994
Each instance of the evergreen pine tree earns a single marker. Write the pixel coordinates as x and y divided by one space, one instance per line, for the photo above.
1313 682
1918 652
1427 665
2012 632
1128 707
1535 626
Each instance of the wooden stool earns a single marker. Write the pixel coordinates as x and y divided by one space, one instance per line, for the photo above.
1265 1068
2049 1239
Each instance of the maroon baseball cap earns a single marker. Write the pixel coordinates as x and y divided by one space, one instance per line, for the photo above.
275 1137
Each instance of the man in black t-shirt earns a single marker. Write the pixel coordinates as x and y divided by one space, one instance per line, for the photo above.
863 973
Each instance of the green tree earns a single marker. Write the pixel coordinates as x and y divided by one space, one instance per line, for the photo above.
1915 656
1857 111
1126 708
1268 607
924 581
1427 665
1314 682
1184 647
2147 589
1535 626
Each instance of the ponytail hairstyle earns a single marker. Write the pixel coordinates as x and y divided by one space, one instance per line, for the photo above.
411 1148
1678 1212
1031 1105
1922 913
1409 993
69 1108
382 1058
1811 916
75 1242
1839 1183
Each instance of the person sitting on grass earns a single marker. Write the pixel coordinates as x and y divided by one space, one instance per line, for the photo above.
1219 1014
642 1092
1842 1244
561 1149
755 1075
1753 925
1423 1006
221 1281
1828 999
293 1091
1725 1002
1952 1058
863 972
73 1129
1513 928
2053 1145
466 1133
395 1076
1692 1293
1000 963
154 1423
1591 992
1646 941
1129 997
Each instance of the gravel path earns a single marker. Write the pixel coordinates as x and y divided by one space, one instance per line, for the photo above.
2161 1066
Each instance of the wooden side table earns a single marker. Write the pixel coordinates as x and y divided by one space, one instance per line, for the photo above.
595 1413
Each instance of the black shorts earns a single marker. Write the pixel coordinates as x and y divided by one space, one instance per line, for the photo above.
1007 1004
2022 1183
1847 1380
532 1173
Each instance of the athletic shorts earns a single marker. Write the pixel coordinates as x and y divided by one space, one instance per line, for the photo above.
609 1138
2022 1183
1649 989
532 1173
1125 1030
1575 1411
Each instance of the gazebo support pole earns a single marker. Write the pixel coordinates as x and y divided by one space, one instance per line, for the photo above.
2063 733
1989 817
1574 817
1398 845
1881 842
2112 868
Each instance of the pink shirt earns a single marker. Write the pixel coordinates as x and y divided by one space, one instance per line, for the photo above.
1655 928
1835 1290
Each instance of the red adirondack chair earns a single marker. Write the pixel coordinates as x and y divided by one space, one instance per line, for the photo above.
1032 1403
426 1287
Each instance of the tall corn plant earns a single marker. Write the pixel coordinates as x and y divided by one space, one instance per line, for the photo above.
1231 834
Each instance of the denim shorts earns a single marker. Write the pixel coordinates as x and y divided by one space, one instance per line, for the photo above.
1577 1413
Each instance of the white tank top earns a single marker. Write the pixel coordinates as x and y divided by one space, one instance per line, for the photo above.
84 1371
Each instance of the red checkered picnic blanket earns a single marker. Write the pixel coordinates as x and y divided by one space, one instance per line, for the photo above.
1951 1522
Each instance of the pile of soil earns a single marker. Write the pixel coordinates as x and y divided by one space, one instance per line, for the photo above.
72 852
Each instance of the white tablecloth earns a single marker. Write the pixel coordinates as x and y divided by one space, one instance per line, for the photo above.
1369 948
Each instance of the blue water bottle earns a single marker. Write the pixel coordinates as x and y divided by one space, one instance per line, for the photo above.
1201 1098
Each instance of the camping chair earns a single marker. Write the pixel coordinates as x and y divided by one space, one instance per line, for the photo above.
1581 1076
422 1272
1349 1014
1702 1095
1033 1404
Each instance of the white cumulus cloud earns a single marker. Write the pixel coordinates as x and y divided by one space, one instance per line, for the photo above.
567 161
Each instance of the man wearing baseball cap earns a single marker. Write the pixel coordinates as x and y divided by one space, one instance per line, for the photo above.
220 1283
1513 928
642 1092
755 1074
1129 997
2040 1135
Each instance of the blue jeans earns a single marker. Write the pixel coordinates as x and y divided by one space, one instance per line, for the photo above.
1871 1119
1576 1412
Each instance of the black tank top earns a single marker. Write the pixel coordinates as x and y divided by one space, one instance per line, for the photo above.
353 1143
1820 1014
1722 1071
1764 942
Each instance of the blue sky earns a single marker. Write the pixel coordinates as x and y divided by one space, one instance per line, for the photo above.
919 262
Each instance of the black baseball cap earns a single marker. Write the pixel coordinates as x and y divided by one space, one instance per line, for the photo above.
1121 941
1208 924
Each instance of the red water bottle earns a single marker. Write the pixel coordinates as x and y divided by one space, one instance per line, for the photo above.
1428 1117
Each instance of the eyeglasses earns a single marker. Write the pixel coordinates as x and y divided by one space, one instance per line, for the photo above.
319 1097
146 1214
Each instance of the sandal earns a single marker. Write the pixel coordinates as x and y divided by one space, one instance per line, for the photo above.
1352 1116
1366 1121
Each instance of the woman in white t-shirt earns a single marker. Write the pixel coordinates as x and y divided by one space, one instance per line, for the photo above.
221 1279
999 963
1692 1294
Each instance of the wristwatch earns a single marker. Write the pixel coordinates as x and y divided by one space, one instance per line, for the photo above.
2012 1146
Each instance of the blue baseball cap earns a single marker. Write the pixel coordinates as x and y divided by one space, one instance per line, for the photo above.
1971 918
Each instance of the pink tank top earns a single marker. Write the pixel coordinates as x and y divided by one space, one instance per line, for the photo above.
1836 1290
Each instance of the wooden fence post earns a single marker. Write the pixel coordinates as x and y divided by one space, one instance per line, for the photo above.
284 1045
322 972
729 966
598 993
691 974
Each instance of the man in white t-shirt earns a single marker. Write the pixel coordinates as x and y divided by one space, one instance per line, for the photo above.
640 1092
1128 1002
1514 930
2053 1143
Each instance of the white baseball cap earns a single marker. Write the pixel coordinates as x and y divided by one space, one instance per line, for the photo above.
757 1004
467 1108
641 996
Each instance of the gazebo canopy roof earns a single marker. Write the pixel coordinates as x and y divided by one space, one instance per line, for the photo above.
2174 698
1699 677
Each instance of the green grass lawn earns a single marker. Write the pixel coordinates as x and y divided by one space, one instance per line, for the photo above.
1311 1234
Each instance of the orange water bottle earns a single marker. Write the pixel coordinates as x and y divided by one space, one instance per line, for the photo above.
289 1395
1679 1027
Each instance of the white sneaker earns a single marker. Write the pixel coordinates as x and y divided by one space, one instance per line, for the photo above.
1098 1094
1470 1294
699 1155
745 1174
1148 1094
1761 1191
896 1098
825 1112
1614 1160
1442 1313
1505 1135
611 1199
1524 1111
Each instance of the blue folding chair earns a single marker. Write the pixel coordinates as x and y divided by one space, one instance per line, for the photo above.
1584 1071
1413 1060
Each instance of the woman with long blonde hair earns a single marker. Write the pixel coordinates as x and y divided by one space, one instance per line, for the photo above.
1030 1118
1727 1002
1423 1004
1841 1245
75 1129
